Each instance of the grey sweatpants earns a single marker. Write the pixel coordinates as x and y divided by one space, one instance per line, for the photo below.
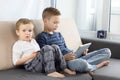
48 60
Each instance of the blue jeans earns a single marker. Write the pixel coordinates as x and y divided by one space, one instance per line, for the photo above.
88 62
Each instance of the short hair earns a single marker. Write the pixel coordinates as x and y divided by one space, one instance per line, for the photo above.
23 21
49 12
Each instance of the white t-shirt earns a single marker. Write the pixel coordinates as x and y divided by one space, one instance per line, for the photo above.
23 48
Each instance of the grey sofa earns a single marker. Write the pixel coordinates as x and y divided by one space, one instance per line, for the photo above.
72 38
8 37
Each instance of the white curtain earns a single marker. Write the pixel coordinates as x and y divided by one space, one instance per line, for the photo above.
15 9
86 15
93 15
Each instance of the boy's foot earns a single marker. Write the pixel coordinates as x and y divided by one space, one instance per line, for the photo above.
56 74
104 63
90 73
69 72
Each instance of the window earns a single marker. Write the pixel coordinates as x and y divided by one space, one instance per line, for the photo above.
94 15
115 17
86 15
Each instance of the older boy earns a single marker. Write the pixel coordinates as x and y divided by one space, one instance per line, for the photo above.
84 63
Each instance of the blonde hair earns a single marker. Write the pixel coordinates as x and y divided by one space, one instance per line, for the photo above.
23 21
49 12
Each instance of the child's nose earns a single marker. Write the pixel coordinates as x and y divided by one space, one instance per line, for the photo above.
27 32
57 25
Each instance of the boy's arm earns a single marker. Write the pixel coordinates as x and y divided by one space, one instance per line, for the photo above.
21 61
69 53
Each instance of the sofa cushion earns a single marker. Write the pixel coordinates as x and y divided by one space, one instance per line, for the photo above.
70 33
21 74
110 72
7 38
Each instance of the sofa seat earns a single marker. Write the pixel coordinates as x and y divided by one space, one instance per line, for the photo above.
21 74
110 72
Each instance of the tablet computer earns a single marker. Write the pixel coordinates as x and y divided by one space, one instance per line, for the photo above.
82 48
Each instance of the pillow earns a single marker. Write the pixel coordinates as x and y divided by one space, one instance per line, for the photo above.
70 33
7 38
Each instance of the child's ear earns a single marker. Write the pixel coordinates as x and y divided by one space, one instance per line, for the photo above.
45 20
17 32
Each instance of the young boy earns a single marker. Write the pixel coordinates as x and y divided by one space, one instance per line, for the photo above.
27 52
84 63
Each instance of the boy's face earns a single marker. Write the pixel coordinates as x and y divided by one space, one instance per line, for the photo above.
25 32
52 23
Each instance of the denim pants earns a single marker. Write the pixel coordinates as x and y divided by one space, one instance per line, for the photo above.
88 62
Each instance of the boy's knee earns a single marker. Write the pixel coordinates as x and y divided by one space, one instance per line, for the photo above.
78 65
47 47
55 46
108 52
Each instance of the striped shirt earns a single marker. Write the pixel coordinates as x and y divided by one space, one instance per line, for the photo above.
55 38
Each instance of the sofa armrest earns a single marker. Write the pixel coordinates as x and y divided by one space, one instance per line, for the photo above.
114 46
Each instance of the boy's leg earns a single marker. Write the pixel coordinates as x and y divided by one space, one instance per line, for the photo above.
44 59
59 59
48 59
97 56
75 65
80 65
91 61
36 64
49 62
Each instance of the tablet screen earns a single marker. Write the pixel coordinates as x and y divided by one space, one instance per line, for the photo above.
82 48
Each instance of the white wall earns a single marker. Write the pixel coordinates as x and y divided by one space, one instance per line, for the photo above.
15 9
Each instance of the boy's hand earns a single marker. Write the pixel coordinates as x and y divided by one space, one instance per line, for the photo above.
33 55
21 61
85 52
69 56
